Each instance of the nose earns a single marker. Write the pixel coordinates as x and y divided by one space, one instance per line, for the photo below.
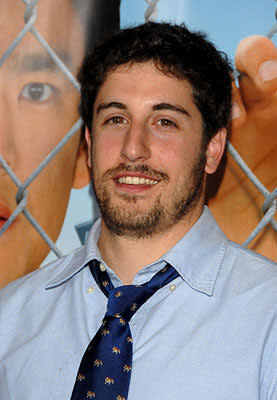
7 143
136 146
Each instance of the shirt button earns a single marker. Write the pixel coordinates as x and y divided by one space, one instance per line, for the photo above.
90 289
102 267
172 287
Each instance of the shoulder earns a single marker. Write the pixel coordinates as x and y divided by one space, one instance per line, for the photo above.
27 305
33 285
245 256
250 271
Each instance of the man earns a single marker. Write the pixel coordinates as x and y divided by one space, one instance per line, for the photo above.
38 107
156 120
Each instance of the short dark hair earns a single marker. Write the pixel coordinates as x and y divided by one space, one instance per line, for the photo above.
175 51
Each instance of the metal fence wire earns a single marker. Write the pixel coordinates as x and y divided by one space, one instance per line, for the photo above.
151 13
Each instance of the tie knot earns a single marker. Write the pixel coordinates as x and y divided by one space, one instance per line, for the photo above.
124 301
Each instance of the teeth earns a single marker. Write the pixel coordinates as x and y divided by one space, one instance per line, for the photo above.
135 180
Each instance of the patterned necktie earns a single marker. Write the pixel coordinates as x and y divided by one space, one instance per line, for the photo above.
105 369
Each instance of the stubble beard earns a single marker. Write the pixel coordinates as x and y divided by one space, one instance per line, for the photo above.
129 221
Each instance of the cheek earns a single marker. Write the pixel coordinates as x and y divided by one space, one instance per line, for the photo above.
105 152
172 155
49 194
60 170
36 142
177 158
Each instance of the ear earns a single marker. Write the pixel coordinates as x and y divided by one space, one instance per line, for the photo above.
215 150
89 146
82 171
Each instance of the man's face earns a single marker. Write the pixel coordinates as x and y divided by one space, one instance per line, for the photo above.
38 107
147 154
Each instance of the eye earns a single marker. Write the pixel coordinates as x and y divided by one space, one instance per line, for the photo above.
36 91
116 121
166 122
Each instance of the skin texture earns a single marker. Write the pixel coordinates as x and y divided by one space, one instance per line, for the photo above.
237 206
38 107
130 132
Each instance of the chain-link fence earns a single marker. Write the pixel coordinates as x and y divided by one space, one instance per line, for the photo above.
30 17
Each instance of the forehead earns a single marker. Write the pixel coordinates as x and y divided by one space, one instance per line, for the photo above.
66 38
144 81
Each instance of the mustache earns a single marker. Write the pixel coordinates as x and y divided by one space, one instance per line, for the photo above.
141 169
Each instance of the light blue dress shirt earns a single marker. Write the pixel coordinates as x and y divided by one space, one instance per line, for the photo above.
208 335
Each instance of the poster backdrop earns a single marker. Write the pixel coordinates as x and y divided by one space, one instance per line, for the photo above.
39 105
42 45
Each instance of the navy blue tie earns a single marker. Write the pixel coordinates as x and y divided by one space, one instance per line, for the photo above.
105 369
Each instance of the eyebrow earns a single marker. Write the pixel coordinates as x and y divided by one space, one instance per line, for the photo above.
35 62
168 106
156 107
115 104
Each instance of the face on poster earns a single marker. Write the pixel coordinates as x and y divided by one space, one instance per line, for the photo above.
38 107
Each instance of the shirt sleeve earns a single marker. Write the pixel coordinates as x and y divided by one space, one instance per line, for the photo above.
268 387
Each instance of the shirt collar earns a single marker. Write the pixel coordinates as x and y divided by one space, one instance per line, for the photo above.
70 265
197 256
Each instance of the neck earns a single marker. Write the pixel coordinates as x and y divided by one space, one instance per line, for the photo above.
126 255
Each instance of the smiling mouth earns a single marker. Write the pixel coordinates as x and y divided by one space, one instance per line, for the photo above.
4 214
135 180
2 221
